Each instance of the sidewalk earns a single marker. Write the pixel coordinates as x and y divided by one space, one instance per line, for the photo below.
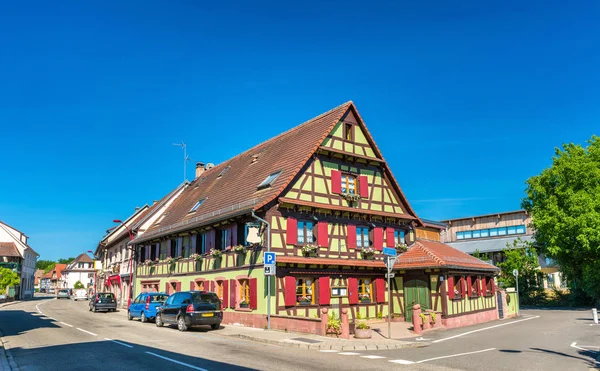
315 342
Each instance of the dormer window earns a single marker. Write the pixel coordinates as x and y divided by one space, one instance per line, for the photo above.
197 205
348 132
269 180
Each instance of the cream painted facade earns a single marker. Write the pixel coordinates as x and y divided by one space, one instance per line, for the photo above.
29 257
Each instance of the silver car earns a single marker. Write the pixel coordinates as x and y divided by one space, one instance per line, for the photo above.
62 294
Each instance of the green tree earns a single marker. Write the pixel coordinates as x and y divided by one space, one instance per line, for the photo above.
479 255
520 255
8 278
564 202
43 264
49 267
79 285
65 260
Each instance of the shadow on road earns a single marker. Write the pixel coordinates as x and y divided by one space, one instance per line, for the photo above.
15 322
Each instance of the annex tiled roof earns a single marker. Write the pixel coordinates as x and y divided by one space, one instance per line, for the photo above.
431 254
83 258
327 261
9 249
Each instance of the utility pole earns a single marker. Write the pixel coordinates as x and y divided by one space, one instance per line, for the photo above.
185 158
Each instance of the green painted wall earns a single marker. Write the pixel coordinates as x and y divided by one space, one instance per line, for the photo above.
512 302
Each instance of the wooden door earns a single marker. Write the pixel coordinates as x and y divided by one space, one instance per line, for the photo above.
416 291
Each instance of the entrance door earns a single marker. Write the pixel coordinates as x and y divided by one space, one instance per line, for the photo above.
415 292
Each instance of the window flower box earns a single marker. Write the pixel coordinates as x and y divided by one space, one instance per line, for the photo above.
364 298
239 249
309 249
170 260
367 253
352 197
196 257
401 247
304 300
215 253
244 304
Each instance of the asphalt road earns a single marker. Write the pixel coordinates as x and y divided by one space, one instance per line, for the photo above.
69 337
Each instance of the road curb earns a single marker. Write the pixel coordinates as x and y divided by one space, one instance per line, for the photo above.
6 359
341 347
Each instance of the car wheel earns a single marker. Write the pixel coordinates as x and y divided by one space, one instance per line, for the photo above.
144 319
181 326
158 321
215 326
129 316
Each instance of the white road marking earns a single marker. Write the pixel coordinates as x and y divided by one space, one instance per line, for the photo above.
66 324
402 362
373 357
87 332
348 354
422 339
174 361
574 345
455 355
54 319
118 342
328 351
483 329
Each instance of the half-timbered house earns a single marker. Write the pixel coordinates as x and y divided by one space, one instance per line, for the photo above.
331 203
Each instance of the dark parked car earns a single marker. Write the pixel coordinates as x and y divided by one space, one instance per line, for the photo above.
144 306
103 301
190 308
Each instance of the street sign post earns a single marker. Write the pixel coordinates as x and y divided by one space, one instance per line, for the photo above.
515 273
270 258
389 259
270 270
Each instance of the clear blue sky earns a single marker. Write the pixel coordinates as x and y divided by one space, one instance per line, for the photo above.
465 99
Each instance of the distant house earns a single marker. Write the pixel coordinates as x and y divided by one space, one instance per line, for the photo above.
17 255
490 234
55 280
39 273
80 269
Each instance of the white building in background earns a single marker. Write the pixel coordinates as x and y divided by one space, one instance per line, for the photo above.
81 269
25 263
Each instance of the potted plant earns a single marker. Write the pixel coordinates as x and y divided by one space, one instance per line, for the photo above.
364 298
215 253
334 325
239 249
367 253
309 249
362 330
244 304
304 300
352 197
196 257
401 247
150 263
424 321
170 260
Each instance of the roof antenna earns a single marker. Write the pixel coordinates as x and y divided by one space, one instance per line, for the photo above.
186 158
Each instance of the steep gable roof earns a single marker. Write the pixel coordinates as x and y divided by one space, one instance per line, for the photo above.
431 254
231 188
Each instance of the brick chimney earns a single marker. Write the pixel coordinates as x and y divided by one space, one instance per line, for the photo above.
199 169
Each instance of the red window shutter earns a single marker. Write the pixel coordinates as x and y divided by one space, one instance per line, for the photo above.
462 286
451 287
290 291
351 236
323 231
232 293
380 290
324 294
336 181
389 237
378 238
469 286
291 234
192 286
167 288
493 285
225 294
178 287
363 184
253 294
352 290
483 286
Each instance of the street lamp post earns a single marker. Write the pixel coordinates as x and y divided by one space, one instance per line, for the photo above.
131 258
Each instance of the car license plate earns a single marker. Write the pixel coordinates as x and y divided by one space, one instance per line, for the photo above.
208 314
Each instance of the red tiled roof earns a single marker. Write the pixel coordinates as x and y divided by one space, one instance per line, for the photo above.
431 254
59 268
47 275
236 190
83 258
9 249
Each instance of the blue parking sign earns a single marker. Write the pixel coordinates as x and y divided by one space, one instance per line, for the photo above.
269 258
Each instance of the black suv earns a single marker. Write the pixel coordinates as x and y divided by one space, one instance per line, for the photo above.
190 308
